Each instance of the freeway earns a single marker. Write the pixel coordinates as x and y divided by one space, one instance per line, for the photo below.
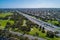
47 26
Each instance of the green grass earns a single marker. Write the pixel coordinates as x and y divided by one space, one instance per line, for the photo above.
53 22
5 14
41 35
3 23
11 22
34 30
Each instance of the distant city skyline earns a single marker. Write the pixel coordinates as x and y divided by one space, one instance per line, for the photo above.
29 3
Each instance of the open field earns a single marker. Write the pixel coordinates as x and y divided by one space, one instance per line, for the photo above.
5 14
3 23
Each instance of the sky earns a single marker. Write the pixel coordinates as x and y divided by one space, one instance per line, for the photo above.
29 3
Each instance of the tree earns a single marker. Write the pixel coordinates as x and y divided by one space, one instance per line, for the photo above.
50 34
8 25
39 28
25 29
43 30
26 38
36 39
37 34
21 37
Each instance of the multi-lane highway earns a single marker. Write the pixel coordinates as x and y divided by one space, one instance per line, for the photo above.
47 26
